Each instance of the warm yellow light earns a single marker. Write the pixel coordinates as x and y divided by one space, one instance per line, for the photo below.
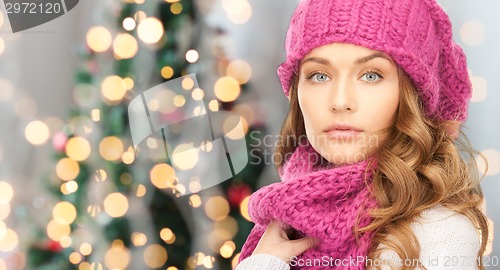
69 187
67 169
116 205
235 127
185 156
217 208
4 210
93 210
208 262
238 12
78 148
117 257
179 101
187 83
128 24
99 38
75 258
155 256
195 200
100 175
9 241
3 229
36 132
162 176
65 241
84 266
64 213
85 249
235 260
227 89
240 70
213 105
167 72
197 94
139 239
6 192
129 83
111 148
95 114
194 186
56 230
167 235
244 208
113 88
226 228
150 30
176 8
128 157
125 46
141 190
192 56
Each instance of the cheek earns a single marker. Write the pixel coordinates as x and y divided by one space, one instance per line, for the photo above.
382 110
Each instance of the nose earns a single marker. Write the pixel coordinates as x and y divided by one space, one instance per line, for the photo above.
342 97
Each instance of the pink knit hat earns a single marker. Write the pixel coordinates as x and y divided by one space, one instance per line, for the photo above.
417 34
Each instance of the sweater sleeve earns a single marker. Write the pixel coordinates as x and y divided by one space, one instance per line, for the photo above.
262 261
448 240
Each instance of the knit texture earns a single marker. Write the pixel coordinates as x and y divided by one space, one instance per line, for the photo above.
320 202
416 34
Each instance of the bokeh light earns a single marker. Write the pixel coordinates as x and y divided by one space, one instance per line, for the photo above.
125 46
6 192
240 70
493 158
2 45
128 24
64 213
111 148
217 208
185 156
78 148
56 230
167 235
150 30
480 89
235 127
192 56
99 38
117 257
9 241
67 169
244 209
6 89
167 72
155 256
139 239
162 176
227 89
227 249
113 88
116 205
37 132
472 33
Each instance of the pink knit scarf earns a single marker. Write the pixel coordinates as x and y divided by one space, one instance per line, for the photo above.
320 202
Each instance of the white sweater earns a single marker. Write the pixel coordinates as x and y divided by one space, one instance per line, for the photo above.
448 240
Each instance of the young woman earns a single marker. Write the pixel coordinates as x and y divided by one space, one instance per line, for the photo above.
374 172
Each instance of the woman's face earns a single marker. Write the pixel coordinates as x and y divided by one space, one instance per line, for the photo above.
349 97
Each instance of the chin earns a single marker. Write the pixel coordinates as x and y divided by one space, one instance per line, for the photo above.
343 155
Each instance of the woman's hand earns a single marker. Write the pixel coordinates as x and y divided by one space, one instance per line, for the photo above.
275 242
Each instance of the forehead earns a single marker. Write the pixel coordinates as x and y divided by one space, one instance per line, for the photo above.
345 51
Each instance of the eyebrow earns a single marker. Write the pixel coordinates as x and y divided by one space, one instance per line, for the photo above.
358 61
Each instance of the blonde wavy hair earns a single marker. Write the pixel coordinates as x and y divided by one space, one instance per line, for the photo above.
423 163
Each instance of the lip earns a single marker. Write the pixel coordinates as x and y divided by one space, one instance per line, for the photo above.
341 131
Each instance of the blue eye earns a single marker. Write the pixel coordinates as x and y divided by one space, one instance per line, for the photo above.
371 76
318 77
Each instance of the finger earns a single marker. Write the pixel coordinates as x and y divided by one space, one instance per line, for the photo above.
303 244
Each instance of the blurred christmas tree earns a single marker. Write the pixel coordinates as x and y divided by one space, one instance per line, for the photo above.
113 210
